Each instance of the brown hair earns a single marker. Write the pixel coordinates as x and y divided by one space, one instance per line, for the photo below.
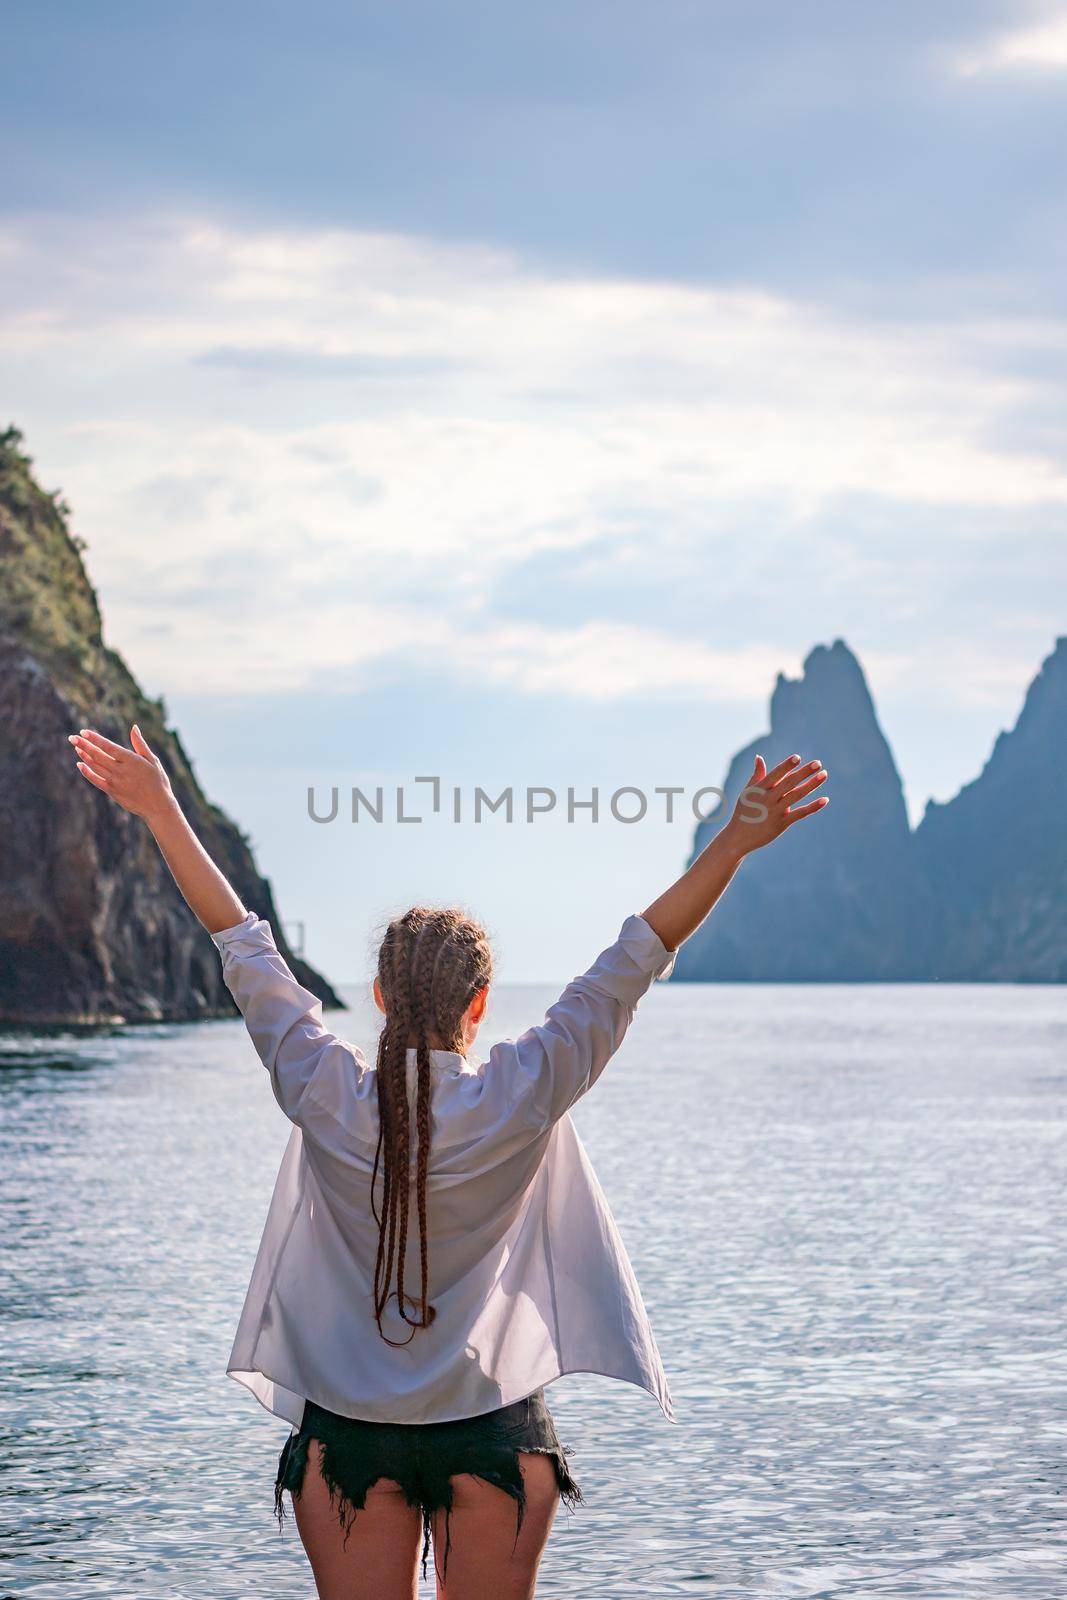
430 967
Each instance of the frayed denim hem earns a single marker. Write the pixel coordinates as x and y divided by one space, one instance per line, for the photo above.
426 1482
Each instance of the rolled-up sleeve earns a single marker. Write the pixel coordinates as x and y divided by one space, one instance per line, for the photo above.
308 1065
542 1074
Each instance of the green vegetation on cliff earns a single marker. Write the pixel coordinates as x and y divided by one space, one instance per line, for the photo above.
91 925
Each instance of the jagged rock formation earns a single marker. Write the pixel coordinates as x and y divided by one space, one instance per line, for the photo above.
837 899
995 857
977 894
92 927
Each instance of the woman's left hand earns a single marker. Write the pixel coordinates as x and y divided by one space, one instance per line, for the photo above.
768 804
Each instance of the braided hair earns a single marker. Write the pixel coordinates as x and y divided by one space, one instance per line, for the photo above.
430 967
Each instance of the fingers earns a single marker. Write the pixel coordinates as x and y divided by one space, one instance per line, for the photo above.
783 768
790 772
819 776
140 743
797 813
92 777
96 763
108 746
759 770
91 753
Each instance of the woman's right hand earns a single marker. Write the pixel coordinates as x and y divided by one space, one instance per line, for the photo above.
134 779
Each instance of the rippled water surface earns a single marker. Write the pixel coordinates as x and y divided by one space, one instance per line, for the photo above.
845 1208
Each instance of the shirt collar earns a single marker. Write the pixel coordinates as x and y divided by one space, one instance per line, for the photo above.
444 1062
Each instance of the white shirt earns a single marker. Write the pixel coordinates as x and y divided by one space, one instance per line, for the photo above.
527 1272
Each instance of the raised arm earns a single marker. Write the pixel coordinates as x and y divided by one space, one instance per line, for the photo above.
529 1083
766 807
136 781
283 1018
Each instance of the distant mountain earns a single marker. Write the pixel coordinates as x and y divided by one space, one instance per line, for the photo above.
977 893
836 900
995 857
92 927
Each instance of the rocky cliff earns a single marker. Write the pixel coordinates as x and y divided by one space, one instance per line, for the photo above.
836 899
92 927
978 893
995 857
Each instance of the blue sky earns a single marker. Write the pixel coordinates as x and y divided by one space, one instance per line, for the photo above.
510 392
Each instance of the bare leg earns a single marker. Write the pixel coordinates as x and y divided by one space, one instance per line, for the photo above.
484 1562
379 1560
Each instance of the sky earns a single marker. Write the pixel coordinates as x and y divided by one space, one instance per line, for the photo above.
508 394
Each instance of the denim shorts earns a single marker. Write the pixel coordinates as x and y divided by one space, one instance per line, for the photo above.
423 1457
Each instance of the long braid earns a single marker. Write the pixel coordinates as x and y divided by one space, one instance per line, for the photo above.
434 942
394 1136
430 967
402 1144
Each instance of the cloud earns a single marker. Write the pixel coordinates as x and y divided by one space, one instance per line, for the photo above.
301 454
279 362
603 661
1042 48
803 147
327 647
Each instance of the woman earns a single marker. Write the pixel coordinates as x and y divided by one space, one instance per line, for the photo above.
438 1248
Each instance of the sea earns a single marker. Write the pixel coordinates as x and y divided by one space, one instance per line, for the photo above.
846 1210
